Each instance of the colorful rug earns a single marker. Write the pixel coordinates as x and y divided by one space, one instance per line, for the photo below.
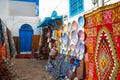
105 56
103 43
5 74
25 56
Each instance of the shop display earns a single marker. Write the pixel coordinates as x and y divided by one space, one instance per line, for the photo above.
58 33
102 43
53 33
105 55
67 51
65 38
81 21
70 47
81 35
7 47
74 25
65 28
80 50
7 52
74 37
69 26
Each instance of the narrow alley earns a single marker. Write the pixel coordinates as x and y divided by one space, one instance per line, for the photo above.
59 39
30 69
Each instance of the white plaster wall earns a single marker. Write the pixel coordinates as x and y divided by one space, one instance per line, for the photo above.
47 6
19 8
15 22
111 1
62 7
4 10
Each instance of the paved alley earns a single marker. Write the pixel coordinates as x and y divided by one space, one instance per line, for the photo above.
30 69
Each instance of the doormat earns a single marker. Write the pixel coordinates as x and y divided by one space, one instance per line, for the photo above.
25 56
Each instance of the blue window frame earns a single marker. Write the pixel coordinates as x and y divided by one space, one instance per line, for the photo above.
75 7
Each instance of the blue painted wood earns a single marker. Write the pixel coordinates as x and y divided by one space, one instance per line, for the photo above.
54 14
75 7
25 33
22 40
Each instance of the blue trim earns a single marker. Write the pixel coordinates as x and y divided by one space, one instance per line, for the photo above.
54 14
48 21
51 21
26 27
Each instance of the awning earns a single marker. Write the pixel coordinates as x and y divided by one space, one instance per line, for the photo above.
48 21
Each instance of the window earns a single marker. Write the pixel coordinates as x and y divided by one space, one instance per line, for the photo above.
75 7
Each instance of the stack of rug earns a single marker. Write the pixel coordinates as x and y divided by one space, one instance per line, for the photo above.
4 72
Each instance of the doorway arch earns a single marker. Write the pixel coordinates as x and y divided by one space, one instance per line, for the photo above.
25 34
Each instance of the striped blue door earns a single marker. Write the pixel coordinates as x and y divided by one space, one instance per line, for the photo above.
25 33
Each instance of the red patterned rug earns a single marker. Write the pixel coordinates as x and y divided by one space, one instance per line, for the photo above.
26 56
105 56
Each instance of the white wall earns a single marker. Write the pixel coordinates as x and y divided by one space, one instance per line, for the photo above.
62 7
4 10
14 23
47 6
19 8
111 1
14 14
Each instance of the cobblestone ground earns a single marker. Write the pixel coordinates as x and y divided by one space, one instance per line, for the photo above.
30 69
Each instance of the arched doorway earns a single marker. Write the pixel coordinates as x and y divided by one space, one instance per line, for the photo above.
25 34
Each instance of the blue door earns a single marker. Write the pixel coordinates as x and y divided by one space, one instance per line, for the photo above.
22 41
28 40
25 34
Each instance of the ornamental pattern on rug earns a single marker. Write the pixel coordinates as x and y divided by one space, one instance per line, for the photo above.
105 56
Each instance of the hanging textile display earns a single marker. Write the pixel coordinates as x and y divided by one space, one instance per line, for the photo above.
66 57
58 33
1 34
105 55
103 43
70 59
7 47
7 52
5 74
11 44
53 33
2 42
3 52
